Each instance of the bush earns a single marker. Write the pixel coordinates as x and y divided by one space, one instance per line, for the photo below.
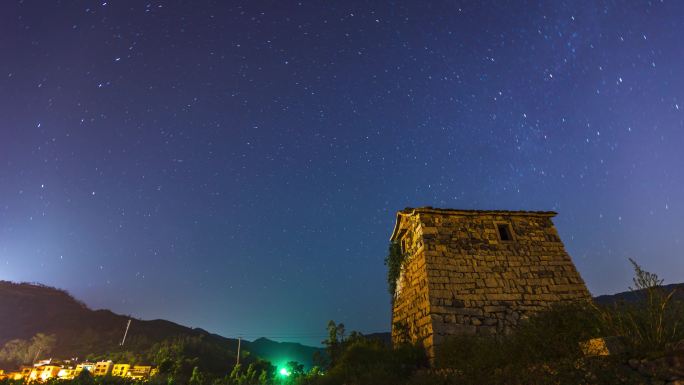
372 362
555 333
651 322
548 336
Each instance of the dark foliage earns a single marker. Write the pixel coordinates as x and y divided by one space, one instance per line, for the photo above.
541 345
372 362
394 260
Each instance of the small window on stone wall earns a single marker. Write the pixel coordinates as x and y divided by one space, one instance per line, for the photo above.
504 231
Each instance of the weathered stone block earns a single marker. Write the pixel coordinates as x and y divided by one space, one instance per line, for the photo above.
604 346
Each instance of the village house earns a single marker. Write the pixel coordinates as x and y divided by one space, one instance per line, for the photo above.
45 370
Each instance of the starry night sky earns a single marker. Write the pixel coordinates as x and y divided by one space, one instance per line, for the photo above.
237 166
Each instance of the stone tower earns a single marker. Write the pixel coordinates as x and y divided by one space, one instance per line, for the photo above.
477 272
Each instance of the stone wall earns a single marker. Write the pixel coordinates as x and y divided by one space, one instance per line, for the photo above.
411 312
465 279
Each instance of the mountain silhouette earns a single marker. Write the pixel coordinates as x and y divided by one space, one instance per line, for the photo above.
28 308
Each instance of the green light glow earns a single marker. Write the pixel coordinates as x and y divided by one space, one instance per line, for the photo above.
284 372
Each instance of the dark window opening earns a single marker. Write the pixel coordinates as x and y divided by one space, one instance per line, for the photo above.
504 232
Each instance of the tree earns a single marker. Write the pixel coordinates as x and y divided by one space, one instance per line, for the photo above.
196 378
264 378
15 351
320 359
84 378
364 361
295 368
25 352
234 375
42 344
334 341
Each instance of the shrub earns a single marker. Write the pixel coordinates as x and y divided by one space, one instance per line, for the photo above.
372 362
652 321
394 262
542 347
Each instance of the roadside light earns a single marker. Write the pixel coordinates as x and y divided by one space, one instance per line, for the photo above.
284 372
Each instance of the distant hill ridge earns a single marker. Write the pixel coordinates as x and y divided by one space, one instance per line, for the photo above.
633 296
28 308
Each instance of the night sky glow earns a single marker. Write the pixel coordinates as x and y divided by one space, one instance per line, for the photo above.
237 166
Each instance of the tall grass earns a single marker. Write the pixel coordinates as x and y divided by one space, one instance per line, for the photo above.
649 323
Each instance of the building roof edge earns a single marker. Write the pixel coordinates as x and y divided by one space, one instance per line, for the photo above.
431 210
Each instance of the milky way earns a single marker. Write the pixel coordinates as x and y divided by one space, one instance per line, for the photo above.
236 166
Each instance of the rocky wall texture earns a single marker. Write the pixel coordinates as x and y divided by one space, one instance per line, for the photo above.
411 311
484 271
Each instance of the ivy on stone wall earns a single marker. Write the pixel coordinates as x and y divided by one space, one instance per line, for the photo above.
395 258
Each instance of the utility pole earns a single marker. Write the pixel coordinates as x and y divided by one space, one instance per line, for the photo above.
238 353
125 333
